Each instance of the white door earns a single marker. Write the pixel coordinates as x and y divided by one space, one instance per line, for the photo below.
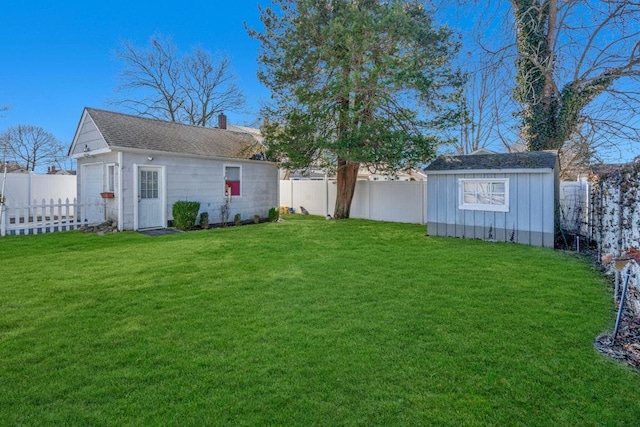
149 198
92 210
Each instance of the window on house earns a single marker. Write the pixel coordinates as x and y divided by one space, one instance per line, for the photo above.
111 177
232 180
484 194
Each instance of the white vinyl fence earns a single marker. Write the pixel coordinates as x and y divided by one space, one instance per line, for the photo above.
47 217
23 188
396 201
406 201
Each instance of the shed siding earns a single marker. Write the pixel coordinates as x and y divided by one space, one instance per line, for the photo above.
530 219
88 135
202 180
110 205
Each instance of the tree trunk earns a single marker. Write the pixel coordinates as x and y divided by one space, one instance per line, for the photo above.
346 183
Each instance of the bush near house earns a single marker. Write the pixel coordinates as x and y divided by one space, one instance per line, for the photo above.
185 214
274 214
204 220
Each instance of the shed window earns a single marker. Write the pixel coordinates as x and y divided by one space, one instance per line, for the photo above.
111 177
484 194
232 180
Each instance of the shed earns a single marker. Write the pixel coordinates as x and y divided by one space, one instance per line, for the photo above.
136 168
509 197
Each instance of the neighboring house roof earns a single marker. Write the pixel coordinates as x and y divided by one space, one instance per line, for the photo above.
606 168
401 175
13 168
254 132
126 131
528 160
483 151
307 174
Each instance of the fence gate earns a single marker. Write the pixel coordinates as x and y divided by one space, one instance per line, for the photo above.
574 207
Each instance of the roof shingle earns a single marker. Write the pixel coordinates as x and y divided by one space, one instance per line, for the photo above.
528 160
126 131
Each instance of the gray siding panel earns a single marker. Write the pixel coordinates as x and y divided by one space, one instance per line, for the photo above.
530 219
88 135
202 180
524 236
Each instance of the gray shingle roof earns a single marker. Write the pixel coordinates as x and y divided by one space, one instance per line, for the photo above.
126 131
528 160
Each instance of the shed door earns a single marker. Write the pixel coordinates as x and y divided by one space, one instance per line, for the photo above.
92 210
149 198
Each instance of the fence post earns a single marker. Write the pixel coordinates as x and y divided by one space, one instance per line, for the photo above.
423 190
291 201
3 221
369 196
326 195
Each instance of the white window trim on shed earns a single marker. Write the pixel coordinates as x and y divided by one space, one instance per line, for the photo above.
111 177
235 166
498 201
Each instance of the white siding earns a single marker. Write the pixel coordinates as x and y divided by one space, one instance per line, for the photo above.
202 180
530 219
110 205
88 135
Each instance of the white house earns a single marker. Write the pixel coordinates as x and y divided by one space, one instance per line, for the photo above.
509 197
137 168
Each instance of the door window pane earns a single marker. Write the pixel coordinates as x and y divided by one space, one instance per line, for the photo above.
149 184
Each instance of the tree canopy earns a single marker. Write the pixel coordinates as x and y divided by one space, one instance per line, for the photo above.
355 82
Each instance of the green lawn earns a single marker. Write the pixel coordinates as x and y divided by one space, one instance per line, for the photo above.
305 322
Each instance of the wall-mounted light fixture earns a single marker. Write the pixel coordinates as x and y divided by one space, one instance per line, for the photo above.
150 158
85 151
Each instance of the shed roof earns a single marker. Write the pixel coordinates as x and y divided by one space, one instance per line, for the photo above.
527 160
127 131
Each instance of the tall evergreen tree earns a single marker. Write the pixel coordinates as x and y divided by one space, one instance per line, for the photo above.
355 82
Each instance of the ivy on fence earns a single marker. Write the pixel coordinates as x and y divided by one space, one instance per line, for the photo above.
616 211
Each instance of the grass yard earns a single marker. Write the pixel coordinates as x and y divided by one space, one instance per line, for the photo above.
306 322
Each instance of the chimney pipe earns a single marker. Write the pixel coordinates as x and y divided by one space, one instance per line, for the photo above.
222 121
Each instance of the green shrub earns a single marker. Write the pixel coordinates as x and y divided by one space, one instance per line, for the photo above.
204 220
185 214
237 219
274 214
256 219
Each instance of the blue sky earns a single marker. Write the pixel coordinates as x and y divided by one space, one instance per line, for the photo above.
57 57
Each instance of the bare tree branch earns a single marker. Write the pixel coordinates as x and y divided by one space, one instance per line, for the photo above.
159 82
31 146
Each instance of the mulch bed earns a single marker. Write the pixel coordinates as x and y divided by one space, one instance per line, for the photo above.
627 344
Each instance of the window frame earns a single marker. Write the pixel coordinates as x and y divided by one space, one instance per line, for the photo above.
504 207
224 179
111 177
